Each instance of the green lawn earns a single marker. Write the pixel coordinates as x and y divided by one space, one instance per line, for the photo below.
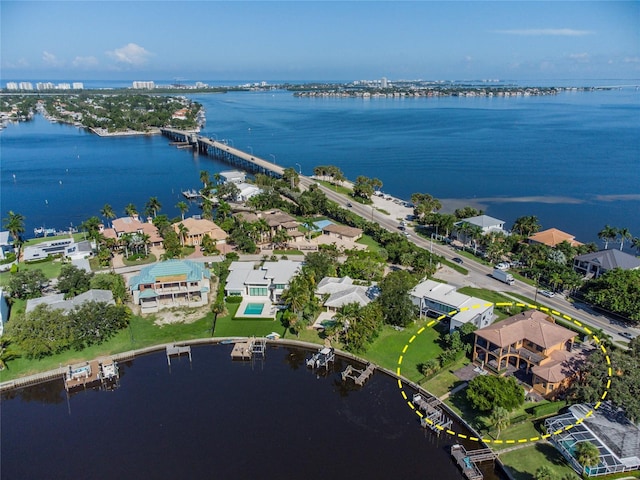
335 188
50 268
524 462
369 242
445 380
151 258
387 348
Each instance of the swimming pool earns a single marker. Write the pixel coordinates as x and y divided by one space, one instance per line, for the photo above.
254 308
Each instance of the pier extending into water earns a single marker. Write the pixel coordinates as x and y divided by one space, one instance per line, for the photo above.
434 416
468 460
222 151
322 358
359 377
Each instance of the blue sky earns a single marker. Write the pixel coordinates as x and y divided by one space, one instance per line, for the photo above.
327 40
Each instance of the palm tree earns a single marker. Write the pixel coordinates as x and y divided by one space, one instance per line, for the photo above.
153 206
624 234
107 212
217 308
183 207
499 419
587 455
14 223
635 243
131 210
182 232
204 178
217 178
607 234
526 226
207 208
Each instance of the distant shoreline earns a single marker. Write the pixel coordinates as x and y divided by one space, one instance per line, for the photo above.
103 132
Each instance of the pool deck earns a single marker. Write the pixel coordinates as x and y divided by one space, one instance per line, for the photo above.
268 311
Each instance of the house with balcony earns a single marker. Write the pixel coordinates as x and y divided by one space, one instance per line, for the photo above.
198 228
486 223
592 265
132 225
435 299
534 348
335 293
264 283
276 221
174 283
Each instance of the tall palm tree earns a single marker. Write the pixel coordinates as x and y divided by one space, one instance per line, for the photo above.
217 308
587 455
635 243
14 223
182 232
207 208
183 207
526 226
153 206
217 178
107 212
499 419
624 234
607 234
131 210
204 178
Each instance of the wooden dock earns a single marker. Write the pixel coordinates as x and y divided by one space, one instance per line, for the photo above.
176 351
322 358
434 417
467 460
242 350
104 371
359 377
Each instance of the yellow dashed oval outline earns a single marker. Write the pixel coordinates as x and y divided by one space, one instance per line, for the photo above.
508 441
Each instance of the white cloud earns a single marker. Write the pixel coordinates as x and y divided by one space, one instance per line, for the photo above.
20 63
579 57
631 60
130 54
50 59
559 32
85 62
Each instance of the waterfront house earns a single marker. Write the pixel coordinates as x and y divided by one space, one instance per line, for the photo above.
174 283
198 228
552 237
276 221
233 176
486 224
335 293
58 301
342 232
6 246
532 346
246 191
44 249
592 265
616 438
132 225
267 282
435 299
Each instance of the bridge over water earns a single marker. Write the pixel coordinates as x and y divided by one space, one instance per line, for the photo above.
222 151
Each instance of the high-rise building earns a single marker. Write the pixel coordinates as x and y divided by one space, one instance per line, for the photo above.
144 85
383 84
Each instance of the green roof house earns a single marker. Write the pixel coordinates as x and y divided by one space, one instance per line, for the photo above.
173 283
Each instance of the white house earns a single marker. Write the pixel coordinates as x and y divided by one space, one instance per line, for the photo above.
59 303
436 299
233 176
247 191
266 282
6 245
486 223
340 292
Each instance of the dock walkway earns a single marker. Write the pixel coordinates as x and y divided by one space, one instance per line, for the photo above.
358 376
467 460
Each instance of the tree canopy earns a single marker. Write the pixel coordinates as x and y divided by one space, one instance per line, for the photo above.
487 392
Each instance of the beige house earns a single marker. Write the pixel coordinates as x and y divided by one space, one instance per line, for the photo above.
342 232
276 220
532 343
197 228
130 225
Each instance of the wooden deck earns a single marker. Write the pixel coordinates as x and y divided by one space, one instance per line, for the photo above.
358 376
242 350
469 469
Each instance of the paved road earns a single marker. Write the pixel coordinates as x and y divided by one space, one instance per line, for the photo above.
479 275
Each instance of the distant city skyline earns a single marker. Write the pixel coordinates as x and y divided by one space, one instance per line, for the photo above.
327 40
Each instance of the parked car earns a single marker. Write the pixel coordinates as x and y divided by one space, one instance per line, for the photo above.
502 266
627 335
457 260
547 293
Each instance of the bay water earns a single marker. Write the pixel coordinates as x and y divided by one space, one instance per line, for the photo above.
572 159
215 418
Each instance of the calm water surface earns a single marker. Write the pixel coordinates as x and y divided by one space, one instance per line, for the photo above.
216 418
572 159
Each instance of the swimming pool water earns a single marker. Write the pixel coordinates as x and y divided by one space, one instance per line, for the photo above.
254 308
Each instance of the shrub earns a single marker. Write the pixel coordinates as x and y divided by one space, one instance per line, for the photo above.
234 299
